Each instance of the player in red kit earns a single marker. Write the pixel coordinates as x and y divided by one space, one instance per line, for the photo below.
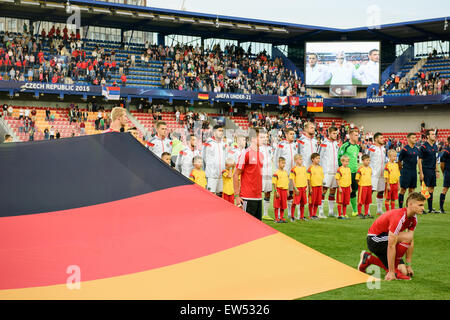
248 188
391 236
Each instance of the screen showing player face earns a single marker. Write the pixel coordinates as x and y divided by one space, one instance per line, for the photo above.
342 63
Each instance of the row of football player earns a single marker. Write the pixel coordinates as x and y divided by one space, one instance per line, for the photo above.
215 152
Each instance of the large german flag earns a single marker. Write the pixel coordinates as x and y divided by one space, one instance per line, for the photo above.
102 212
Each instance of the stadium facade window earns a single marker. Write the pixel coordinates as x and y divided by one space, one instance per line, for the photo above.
130 2
257 47
422 49
400 48
211 42
139 37
284 49
136 2
12 24
174 39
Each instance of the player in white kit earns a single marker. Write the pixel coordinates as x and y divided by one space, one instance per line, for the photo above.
328 151
214 153
267 152
307 143
184 159
369 73
287 149
316 74
342 71
377 153
235 152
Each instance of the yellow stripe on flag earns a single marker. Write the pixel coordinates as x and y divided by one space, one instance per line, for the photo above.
273 267
315 109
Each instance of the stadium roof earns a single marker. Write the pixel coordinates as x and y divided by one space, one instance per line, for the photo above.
166 21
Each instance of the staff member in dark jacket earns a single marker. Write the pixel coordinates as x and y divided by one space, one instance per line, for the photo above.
407 161
445 167
428 170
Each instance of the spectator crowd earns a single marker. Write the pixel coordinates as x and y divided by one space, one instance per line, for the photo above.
229 70
425 82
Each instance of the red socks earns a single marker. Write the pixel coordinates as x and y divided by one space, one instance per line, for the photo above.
342 210
386 204
302 211
400 251
312 210
276 213
374 260
366 209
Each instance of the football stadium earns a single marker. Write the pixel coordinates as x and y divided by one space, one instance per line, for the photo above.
309 162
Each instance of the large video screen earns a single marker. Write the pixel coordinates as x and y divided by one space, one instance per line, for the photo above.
342 63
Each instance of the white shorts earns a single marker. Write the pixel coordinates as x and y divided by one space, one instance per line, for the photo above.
215 185
329 181
378 184
267 185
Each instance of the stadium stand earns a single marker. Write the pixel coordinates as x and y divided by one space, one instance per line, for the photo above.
67 128
70 59
82 62
106 62
442 133
431 79
148 120
61 122
192 69
241 121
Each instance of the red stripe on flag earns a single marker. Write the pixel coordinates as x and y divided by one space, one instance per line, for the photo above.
121 237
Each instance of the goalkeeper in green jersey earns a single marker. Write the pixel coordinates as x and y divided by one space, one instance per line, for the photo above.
352 150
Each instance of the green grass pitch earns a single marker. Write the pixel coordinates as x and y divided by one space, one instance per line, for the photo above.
343 240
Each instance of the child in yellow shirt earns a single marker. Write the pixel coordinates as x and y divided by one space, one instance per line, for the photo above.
392 177
315 181
197 174
364 178
227 177
344 181
280 181
300 183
